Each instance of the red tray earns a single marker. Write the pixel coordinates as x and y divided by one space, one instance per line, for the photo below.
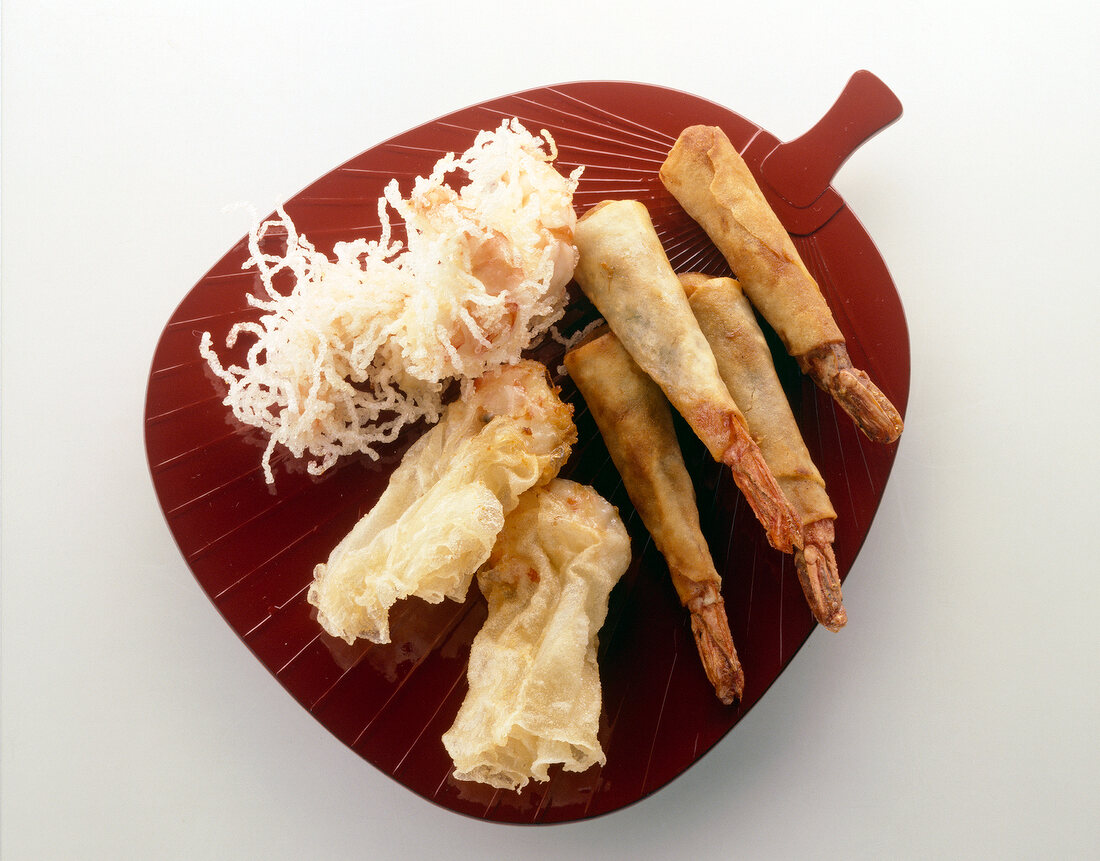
252 548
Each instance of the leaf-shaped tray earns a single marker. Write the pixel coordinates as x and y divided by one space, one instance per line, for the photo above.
252 549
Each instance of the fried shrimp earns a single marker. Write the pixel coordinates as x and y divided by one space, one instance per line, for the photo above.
745 362
711 181
635 421
623 269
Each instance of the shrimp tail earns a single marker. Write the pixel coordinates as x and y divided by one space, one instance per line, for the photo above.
756 481
711 630
831 368
819 576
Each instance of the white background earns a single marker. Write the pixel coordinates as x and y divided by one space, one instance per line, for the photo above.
955 716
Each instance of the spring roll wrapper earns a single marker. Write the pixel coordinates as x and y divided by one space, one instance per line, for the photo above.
534 694
706 174
444 505
624 271
745 362
635 421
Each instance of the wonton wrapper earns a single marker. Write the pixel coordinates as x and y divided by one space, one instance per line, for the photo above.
438 518
534 694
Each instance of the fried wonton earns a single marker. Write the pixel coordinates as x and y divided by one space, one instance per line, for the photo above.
439 517
534 695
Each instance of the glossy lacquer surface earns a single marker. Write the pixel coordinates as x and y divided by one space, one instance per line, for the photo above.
252 548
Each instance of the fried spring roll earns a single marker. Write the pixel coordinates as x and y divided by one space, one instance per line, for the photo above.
635 420
624 271
707 175
745 362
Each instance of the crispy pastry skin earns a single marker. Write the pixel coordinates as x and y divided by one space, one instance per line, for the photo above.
635 421
745 362
624 271
534 695
707 175
439 516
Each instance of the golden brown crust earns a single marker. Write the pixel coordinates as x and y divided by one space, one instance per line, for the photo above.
635 421
711 181
624 271
745 361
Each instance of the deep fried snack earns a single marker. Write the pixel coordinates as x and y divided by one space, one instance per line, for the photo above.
707 175
635 421
534 694
745 362
366 344
624 271
439 517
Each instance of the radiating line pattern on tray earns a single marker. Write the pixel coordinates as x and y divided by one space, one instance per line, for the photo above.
253 549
